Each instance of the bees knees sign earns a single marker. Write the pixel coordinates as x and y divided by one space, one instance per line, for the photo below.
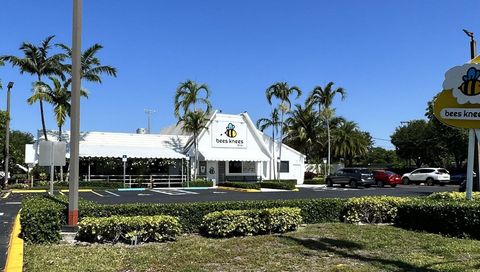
458 105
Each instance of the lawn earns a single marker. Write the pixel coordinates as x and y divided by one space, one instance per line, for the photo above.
321 247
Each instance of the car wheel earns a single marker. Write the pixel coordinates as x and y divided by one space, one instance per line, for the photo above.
353 183
406 181
343 185
430 182
329 183
380 183
393 185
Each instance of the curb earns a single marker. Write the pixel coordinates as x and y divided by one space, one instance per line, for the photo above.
239 189
19 191
15 249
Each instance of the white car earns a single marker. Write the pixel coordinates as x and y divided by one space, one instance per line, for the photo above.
429 176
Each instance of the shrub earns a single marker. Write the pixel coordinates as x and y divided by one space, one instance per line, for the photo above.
41 219
133 229
18 186
372 209
277 185
200 183
314 181
453 196
243 185
309 175
461 219
251 222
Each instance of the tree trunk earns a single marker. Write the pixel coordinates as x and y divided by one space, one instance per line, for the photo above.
42 115
196 158
280 148
273 154
60 140
328 137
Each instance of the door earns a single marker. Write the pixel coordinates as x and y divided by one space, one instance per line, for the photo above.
212 171
221 171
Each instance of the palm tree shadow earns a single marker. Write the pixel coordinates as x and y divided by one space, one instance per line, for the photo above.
345 249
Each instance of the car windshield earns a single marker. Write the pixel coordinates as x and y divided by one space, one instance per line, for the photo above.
389 173
365 171
443 171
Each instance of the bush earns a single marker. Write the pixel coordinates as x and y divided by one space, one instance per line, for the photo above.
243 185
251 222
41 219
461 219
372 210
309 175
314 181
133 229
18 186
81 184
453 196
277 185
200 183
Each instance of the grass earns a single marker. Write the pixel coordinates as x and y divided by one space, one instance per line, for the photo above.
322 247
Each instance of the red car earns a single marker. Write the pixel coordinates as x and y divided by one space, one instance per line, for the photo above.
383 177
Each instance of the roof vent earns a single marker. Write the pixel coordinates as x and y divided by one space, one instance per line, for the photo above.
142 131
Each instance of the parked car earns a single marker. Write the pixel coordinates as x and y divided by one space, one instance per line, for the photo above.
459 178
351 176
383 177
429 176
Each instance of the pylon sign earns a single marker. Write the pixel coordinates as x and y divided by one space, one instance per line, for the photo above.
458 105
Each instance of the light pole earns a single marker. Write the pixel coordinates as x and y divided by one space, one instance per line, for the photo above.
75 114
7 135
149 113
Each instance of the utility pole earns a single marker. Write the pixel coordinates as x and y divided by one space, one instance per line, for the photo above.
7 136
149 113
75 114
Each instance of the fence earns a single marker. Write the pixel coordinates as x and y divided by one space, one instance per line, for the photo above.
150 181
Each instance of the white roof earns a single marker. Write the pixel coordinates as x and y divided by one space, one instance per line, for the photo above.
115 145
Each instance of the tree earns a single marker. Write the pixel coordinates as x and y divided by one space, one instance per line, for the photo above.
274 122
324 98
282 91
1 64
381 157
188 95
91 68
193 122
349 142
37 61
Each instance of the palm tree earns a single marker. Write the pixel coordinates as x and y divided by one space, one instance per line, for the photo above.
274 123
349 141
302 129
282 91
36 61
193 122
324 98
1 64
188 94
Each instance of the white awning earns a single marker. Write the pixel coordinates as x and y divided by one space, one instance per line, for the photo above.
232 154
117 151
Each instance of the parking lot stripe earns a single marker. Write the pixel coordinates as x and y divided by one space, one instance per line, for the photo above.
93 192
13 203
6 195
61 192
106 191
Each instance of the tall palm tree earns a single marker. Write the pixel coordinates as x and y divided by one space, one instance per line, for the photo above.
282 91
37 61
324 98
1 64
274 122
349 141
302 129
193 122
91 66
188 95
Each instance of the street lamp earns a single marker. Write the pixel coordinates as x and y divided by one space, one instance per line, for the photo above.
7 135
473 44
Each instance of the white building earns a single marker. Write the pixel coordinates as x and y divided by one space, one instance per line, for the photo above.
231 148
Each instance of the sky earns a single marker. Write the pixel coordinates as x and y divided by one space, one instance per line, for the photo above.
389 56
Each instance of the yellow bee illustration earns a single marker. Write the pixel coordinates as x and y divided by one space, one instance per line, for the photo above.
231 133
471 84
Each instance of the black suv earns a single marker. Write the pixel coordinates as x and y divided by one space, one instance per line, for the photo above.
351 176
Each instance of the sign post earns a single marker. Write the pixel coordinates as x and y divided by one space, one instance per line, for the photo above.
124 160
458 105
52 154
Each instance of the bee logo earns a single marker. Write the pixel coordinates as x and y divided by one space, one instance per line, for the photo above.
471 84
230 132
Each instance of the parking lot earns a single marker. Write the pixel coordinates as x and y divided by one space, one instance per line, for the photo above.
166 195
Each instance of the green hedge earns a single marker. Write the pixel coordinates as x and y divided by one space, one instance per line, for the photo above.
41 219
131 229
81 184
251 222
243 185
200 183
285 181
453 196
314 181
453 218
372 210
277 185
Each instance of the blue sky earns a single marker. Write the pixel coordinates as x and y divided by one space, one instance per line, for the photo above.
390 56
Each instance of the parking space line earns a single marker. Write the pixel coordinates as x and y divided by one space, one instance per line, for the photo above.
106 191
61 192
13 203
6 195
173 192
93 192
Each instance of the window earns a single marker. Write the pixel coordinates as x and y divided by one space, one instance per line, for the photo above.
235 167
284 167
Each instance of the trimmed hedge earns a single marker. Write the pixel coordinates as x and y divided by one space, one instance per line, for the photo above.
372 210
453 196
41 219
81 184
277 185
251 222
200 183
314 181
243 185
133 229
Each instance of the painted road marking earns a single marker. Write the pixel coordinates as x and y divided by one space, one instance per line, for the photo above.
6 195
173 192
144 194
1 213
93 192
61 192
106 191
219 192
13 203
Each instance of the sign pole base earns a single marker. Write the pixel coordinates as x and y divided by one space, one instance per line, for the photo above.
73 218
471 150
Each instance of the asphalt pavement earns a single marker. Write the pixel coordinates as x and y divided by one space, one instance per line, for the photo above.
9 208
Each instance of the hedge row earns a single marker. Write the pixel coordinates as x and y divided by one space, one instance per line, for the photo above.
242 185
314 181
277 185
251 222
130 229
200 183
